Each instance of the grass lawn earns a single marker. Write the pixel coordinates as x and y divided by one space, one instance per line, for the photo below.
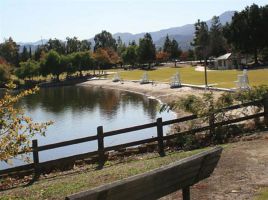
263 195
57 187
223 78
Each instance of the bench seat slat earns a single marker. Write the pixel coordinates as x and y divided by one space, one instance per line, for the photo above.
159 182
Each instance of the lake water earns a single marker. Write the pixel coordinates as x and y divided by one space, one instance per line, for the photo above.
77 111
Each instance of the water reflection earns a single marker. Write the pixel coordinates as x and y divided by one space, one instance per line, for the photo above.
77 99
78 110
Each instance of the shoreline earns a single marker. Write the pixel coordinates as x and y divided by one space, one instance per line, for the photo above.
157 90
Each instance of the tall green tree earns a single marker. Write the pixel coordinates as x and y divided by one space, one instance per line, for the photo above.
9 50
175 51
201 40
82 61
217 42
24 56
104 40
85 45
167 45
56 45
130 55
73 45
246 32
52 64
146 50
201 43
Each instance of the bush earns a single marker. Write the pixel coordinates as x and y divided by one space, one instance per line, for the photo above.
4 74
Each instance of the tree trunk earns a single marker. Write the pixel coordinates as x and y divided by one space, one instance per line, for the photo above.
58 77
256 57
206 78
175 63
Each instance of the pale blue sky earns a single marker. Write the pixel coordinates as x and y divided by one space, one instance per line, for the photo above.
28 20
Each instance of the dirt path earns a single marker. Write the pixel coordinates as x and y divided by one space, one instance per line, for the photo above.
242 170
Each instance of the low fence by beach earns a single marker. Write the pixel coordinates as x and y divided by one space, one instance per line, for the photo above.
100 153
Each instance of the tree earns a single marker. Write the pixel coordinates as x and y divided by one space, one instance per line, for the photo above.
85 45
4 73
82 61
16 129
24 56
216 39
102 58
162 56
172 48
201 40
167 45
74 45
146 50
104 40
52 64
28 69
246 32
9 50
175 51
129 55
56 45
201 43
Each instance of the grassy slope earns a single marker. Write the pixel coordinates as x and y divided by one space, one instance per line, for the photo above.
60 186
224 78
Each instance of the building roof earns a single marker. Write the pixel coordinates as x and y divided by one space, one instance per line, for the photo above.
224 57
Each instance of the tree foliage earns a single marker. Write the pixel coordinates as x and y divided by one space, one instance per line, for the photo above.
104 40
52 64
9 51
201 40
247 31
28 69
146 50
217 43
16 129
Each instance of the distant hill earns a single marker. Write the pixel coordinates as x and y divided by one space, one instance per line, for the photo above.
183 34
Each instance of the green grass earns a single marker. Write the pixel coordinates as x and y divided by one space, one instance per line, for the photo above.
263 195
223 78
62 185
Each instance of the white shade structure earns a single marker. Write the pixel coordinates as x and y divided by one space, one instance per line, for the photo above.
175 81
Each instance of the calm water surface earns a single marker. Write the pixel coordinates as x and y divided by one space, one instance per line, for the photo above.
78 110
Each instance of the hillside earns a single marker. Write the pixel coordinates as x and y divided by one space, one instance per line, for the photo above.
183 34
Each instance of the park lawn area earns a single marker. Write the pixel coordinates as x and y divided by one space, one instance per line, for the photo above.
57 187
263 195
223 78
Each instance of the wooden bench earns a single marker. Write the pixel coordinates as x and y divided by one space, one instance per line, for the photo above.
159 182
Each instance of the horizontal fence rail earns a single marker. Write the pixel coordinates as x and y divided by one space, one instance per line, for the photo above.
37 166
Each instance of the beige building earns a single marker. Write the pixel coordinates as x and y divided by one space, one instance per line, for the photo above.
226 61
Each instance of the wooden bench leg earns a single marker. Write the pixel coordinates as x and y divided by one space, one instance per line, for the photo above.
186 193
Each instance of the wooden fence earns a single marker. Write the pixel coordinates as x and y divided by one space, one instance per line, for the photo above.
37 166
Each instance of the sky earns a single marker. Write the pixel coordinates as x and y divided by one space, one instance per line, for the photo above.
31 20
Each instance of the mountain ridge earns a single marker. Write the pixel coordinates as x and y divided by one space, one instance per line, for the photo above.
183 34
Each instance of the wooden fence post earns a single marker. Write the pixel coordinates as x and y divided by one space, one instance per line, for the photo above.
36 159
265 107
161 150
100 146
211 124
186 193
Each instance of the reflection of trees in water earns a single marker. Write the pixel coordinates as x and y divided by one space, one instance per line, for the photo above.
79 99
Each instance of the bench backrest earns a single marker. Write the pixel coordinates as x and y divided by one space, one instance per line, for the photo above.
159 182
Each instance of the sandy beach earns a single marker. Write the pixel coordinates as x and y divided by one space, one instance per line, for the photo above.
157 90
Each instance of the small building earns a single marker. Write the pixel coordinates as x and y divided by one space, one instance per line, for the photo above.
227 61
